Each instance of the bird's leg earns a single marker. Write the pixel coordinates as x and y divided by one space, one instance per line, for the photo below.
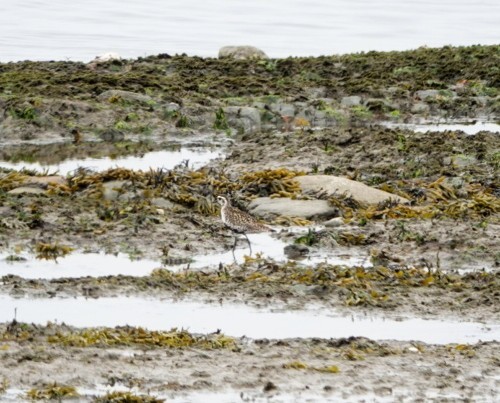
234 245
249 244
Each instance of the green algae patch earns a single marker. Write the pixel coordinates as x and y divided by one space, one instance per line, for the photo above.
53 392
272 182
130 336
126 397
51 251
436 199
298 365
436 68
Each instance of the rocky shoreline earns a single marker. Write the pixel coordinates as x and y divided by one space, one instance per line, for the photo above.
305 142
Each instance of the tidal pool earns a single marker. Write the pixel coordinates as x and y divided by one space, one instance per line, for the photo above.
240 320
76 265
99 264
167 159
468 128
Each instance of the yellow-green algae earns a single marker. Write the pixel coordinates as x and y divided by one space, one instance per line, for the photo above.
331 369
52 392
126 397
364 286
51 251
128 336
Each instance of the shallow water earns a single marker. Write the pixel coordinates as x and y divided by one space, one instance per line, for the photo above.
468 128
99 264
76 265
195 158
239 320
80 30
267 246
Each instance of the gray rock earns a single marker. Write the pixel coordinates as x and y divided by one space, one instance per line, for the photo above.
126 96
296 251
26 190
112 135
336 185
420 107
379 105
293 208
172 107
353 100
163 203
463 161
283 109
334 222
433 94
44 181
246 119
242 52
424 94
113 190
106 57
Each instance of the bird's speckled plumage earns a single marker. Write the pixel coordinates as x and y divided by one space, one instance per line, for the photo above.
238 220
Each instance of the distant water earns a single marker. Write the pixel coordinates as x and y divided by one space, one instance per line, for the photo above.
82 29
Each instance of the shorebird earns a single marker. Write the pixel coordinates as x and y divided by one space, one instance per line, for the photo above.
240 222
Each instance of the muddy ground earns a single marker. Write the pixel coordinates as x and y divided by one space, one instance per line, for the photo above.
353 369
436 257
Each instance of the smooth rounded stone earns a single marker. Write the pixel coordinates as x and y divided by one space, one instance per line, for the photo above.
172 107
433 94
125 95
26 190
336 185
292 208
163 203
334 222
244 118
296 251
106 57
112 135
242 52
353 100
420 107
463 161
378 104
44 181
424 94
112 190
283 109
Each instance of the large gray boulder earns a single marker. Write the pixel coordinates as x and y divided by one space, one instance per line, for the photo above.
336 185
128 96
245 118
292 208
242 52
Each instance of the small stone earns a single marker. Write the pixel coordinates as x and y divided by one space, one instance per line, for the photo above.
296 251
246 119
106 57
269 386
112 135
44 181
26 190
334 222
125 95
351 101
420 107
242 52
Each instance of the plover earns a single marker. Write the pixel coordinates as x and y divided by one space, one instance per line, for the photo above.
239 221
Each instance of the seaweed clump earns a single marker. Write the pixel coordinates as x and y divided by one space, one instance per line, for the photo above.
52 392
126 336
126 397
